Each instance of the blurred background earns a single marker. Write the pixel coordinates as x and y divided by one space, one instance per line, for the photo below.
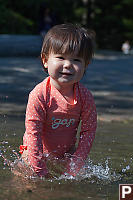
112 20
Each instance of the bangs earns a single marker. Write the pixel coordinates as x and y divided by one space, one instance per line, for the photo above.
66 44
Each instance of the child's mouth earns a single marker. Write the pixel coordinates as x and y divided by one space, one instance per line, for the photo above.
66 73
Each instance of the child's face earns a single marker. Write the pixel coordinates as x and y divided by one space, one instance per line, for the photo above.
65 69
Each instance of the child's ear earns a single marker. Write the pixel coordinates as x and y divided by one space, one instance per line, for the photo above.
44 60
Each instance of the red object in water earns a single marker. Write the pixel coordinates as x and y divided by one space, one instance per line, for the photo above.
22 148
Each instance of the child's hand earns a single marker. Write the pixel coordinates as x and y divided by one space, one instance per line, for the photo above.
56 166
21 169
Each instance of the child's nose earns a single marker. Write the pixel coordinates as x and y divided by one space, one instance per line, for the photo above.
67 63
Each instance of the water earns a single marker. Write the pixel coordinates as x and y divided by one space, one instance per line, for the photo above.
109 164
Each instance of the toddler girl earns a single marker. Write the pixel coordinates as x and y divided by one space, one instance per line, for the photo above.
59 103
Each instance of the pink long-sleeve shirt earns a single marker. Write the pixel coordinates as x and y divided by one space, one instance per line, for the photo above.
51 126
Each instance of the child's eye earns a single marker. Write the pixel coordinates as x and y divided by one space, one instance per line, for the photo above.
77 60
60 57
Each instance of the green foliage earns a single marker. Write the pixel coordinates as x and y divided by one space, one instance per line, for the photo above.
14 23
112 20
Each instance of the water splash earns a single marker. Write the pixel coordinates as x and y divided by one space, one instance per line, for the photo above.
101 172
98 173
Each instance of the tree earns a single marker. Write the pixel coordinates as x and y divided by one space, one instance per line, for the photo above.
112 20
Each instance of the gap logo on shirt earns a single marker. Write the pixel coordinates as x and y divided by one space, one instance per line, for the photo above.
65 122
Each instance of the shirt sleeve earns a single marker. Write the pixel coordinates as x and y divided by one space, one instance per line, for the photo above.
87 135
35 116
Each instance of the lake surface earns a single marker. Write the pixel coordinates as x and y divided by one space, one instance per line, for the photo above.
111 159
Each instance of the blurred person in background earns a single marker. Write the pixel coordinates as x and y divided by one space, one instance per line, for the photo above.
47 19
126 47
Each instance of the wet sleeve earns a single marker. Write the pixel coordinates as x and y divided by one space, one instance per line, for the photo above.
87 135
34 123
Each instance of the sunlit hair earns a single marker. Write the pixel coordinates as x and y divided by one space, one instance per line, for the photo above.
69 39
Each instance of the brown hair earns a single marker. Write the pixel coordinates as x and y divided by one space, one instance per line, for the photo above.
69 38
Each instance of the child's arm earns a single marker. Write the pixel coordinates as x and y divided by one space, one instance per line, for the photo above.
35 116
87 135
